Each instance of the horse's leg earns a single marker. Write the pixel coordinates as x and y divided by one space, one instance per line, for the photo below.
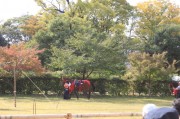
89 90
89 93
70 96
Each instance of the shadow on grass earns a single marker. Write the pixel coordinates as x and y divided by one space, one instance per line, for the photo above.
94 98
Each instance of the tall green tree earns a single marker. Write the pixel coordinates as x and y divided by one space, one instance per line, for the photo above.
144 66
158 28
80 48
152 16
88 37
167 39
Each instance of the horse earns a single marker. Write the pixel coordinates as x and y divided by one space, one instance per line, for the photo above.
77 86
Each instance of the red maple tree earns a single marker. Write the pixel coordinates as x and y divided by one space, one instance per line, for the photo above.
20 58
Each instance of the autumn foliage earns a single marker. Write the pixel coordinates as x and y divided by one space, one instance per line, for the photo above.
31 26
20 58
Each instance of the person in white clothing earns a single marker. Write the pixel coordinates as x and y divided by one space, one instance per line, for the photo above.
178 88
147 108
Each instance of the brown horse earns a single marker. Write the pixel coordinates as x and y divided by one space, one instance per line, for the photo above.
77 86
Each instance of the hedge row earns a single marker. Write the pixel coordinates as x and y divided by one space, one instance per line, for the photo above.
48 84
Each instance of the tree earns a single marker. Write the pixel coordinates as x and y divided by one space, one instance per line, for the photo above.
167 40
144 66
16 60
105 14
152 16
55 35
158 28
88 37
31 26
53 6
11 30
84 50
3 42
20 58
35 23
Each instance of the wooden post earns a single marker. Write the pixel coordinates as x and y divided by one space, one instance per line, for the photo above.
14 71
69 116
34 106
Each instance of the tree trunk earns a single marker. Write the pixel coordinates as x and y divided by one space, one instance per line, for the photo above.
149 87
84 73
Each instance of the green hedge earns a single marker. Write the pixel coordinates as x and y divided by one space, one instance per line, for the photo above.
32 85
116 87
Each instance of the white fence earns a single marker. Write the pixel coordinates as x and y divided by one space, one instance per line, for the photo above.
67 116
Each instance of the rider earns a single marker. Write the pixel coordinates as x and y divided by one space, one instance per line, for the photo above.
78 82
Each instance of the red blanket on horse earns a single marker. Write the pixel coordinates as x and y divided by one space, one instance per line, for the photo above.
79 86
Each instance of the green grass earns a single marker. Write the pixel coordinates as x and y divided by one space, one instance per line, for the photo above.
56 105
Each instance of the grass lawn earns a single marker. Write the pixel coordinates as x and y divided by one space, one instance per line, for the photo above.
97 104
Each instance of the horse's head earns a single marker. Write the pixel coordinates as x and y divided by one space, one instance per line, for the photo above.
64 81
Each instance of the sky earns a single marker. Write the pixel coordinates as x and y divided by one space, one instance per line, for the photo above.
17 8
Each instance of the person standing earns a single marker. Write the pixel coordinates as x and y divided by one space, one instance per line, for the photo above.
176 91
176 105
162 112
66 90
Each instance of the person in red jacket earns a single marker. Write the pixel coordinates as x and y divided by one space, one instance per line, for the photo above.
177 91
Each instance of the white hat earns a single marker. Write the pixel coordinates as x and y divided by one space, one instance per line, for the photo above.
147 108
